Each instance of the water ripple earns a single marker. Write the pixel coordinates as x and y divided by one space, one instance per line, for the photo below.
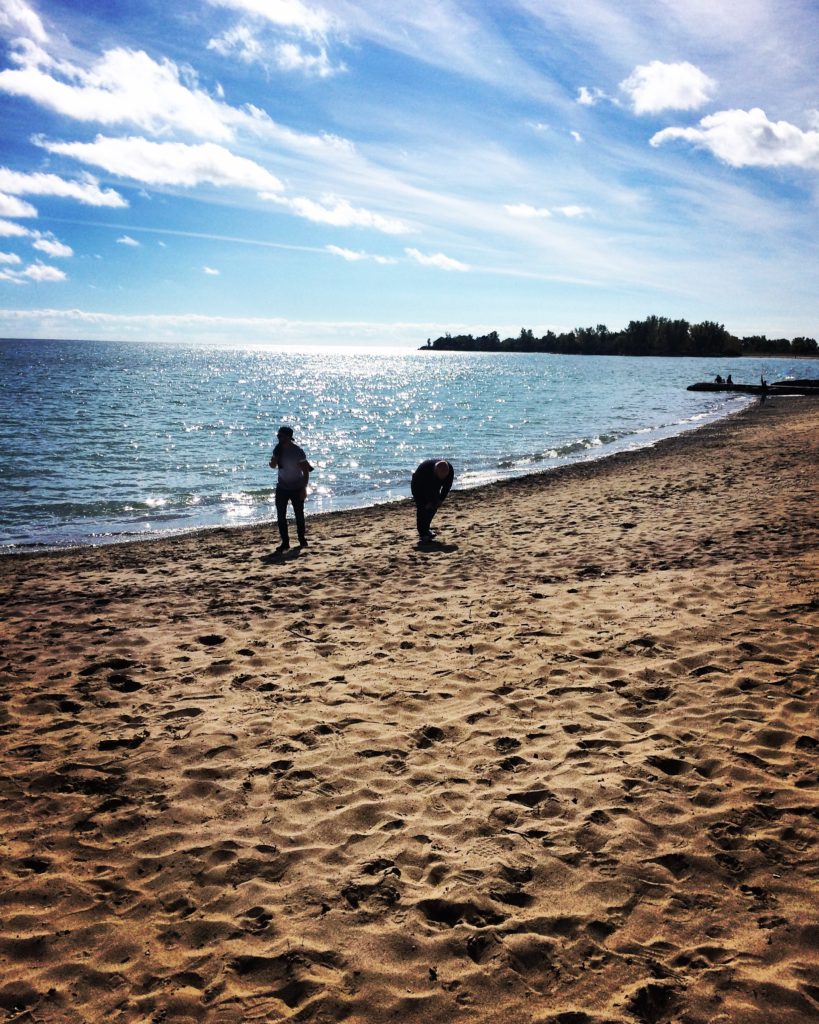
100 440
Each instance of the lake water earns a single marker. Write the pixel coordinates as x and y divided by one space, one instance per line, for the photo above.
103 441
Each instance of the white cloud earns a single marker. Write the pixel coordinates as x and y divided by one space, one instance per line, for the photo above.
353 255
590 97
17 16
127 240
25 51
41 272
573 211
527 212
289 14
168 163
347 254
11 206
9 258
657 86
746 138
243 42
46 322
291 57
8 229
129 87
52 247
576 136
340 213
86 190
238 41
437 259
211 272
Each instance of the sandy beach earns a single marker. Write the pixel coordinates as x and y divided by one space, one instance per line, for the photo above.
560 768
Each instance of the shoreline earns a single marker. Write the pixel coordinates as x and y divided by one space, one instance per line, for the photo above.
151 538
559 768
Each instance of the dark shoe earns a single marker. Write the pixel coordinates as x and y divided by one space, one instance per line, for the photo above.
303 542
280 550
426 538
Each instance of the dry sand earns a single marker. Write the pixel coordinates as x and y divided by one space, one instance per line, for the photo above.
562 768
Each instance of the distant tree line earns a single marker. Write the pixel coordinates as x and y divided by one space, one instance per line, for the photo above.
654 336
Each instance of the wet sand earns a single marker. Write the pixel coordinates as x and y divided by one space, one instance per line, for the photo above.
561 767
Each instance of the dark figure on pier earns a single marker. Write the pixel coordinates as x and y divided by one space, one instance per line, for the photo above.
431 482
294 475
718 379
729 380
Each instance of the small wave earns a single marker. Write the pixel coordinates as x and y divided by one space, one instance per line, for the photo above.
568 448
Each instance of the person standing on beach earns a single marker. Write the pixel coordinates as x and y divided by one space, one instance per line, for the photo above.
431 482
294 475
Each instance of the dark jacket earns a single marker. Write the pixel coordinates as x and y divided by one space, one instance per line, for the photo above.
426 487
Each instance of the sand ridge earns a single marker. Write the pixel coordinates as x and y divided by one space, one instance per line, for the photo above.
561 767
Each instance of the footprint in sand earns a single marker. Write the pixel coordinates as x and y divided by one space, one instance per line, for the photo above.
211 639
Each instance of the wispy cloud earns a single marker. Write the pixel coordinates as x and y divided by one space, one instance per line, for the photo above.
42 272
9 258
127 87
388 148
437 260
9 229
53 247
252 46
293 57
340 213
358 255
289 331
16 16
657 86
287 35
37 272
239 41
127 240
527 211
168 163
573 211
11 206
86 190
311 20
42 241
746 138
589 97
211 271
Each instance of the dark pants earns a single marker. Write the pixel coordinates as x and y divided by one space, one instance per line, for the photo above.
423 516
283 495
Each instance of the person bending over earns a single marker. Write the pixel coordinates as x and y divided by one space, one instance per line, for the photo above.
431 482
294 475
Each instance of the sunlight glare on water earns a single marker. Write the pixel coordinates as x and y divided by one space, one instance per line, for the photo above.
100 440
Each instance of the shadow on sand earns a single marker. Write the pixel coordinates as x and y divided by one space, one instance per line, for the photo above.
276 558
432 546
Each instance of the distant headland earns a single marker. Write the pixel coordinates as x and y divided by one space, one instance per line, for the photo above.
654 336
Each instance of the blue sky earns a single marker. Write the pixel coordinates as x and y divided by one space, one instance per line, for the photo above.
370 172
